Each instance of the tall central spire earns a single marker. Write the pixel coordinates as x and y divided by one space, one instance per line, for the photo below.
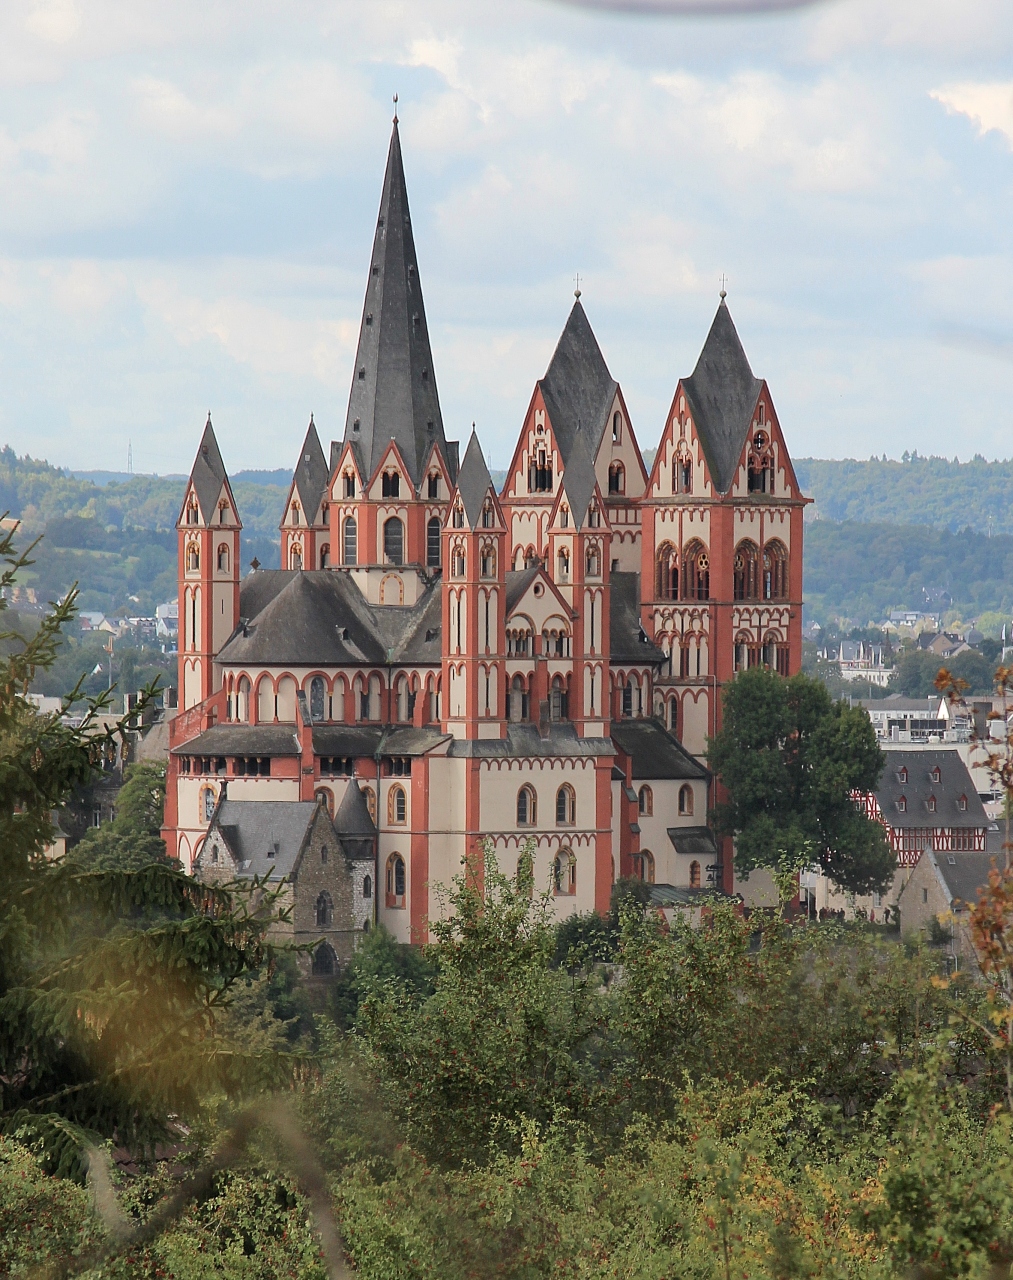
393 392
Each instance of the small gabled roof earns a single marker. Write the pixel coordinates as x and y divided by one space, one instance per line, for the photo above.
722 394
517 583
964 874
655 752
311 473
264 836
578 389
579 479
208 474
352 817
628 641
474 480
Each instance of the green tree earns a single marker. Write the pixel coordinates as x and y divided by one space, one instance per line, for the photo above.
133 838
789 759
111 980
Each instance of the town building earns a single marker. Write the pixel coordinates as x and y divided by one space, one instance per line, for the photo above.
543 663
860 660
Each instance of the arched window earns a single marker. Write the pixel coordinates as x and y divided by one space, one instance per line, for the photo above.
350 554
617 427
487 565
223 558
318 694
370 795
668 572
295 558
686 801
564 873
457 520
746 652
397 806
393 541
645 799
324 961
518 700
566 806
682 474
527 807
557 699
433 543
643 866
325 556
390 485
367 886
593 563
696 576
761 465
193 513
395 881
325 910
694 875
563 562
673 712
775 571
746 572
487 516
193 557
243 700
324 796
457 563
208 803
617 478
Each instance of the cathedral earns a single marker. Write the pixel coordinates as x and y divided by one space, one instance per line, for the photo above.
543 663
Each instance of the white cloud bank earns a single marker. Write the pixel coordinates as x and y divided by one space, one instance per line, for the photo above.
989 105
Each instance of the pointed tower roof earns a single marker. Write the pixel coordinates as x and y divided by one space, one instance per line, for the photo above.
208 473
311 472
579 479
352 817
393 392
474 481
578 389
722 394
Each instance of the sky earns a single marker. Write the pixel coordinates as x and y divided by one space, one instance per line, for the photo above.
188 194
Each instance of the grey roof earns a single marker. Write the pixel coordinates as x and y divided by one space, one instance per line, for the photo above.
628 640
474 481
517 582
359 741
897 702
257 590
254 828
955 782
964 874
311 473
525 740
655 752
352 816
242 740
578 389
722 394
208 473
696 840
579 478
393 395
670 895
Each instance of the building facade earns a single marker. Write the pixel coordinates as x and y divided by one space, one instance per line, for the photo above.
540 663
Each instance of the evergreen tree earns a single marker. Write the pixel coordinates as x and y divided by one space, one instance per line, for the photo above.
112 974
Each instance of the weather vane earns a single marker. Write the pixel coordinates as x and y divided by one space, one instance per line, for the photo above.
576 281
724 281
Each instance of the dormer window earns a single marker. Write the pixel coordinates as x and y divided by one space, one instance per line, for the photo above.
349 479
962 804
902 775
932 804
391 484
936 774
902 805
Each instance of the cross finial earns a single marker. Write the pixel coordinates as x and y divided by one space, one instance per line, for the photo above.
395 108
724 281
576 281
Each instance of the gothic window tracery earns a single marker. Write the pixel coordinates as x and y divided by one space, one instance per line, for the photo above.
746 571
696 576
775 570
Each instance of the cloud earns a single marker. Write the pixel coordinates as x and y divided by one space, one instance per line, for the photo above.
989 105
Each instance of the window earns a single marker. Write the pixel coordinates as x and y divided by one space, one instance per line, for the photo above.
321 796
566 806
367 886
617 478
457 563
457 520
696 578
208 805
434 486
593 517
902 805
395 880
324 961
527 807
643 866
540 473
694 875
349 479
593 566
564 873
393 541
962 804
564 518
668 572
686 801
563 560
617 427
932 804
902 775
558 700
760 469
936 775
628 699
351 541
645 801
370 795
487 516
295 557
433 543
746 572
390 485
317 696
488 561
682 474
192 514
397 806
325 556
925 895
223 558
325 911
775 571
518 699
193 557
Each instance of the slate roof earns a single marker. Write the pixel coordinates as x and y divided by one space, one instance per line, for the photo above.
579 479
963 874
525 740
359 741
393 395
311 473
629 642
722 394
670 895
208 474
578 389
517 582
474 481
352 816
695 840
955 781
265 836
654 751
242 740
257 590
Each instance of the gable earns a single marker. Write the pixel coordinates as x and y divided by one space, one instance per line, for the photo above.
537 600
